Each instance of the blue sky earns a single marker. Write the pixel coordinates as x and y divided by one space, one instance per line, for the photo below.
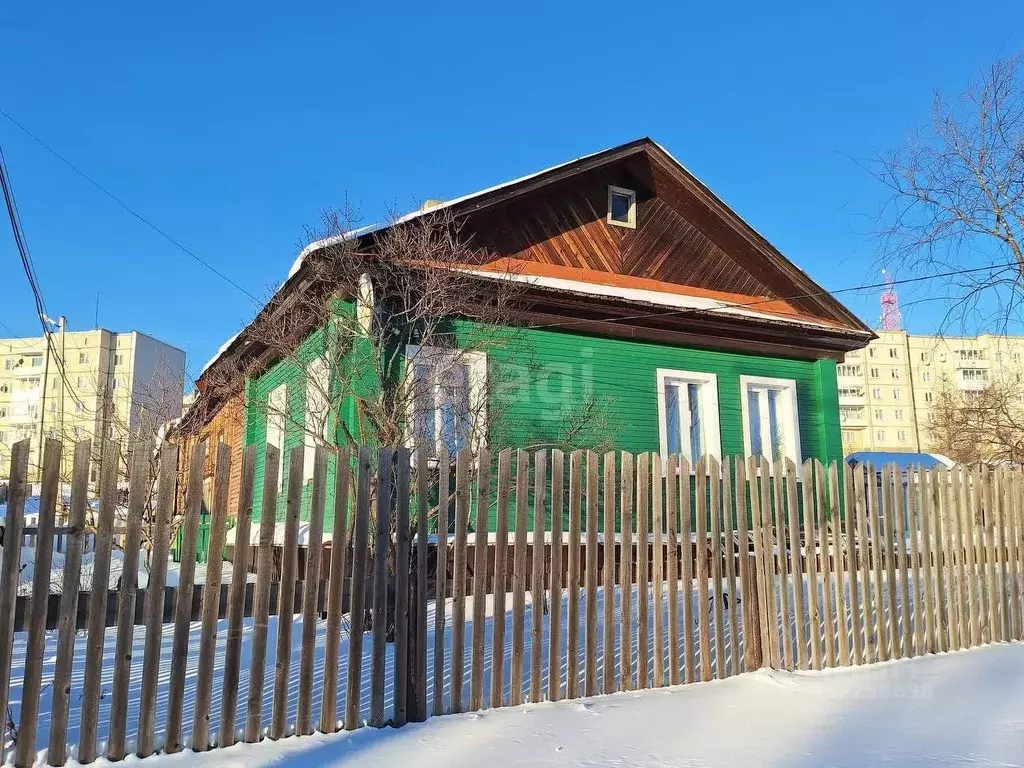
231 127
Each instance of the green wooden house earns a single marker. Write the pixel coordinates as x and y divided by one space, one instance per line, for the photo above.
647 316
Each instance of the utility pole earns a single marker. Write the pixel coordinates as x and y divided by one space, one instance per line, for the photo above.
61 326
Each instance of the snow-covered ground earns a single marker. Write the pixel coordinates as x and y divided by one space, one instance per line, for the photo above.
951 709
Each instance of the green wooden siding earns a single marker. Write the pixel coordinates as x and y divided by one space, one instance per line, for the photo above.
539 377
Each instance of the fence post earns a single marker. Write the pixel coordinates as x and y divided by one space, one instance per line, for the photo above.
753 654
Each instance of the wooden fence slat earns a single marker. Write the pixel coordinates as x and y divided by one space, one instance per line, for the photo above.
311 592
608 577
658 600
990 556
866 553
906 606
811 555
672 472
838 565
139 484
643 574
379 617
261 596
743 554
889 530
703 592
875 518
357 590
686 539
785 616
400 691
980 510
61 702
927 557
1013 572
200 739
770 603
335 591
853 555
537 601
716 565
960 574
286 597
482 528
25 746
500 585
1018 518
441 580
759 597
572 621
418 651
948 555
519 576
98 606
729 529
555 631
938 482
824 521
970 515
914 528
796 567
236 598
1001 549
9 573
625 577
590 666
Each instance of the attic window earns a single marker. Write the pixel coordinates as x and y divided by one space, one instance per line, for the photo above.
622 207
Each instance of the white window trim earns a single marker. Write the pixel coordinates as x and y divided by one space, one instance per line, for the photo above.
791 414
708 405
631 194
276 425
477 363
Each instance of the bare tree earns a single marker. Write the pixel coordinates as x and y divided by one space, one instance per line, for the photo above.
957 200
971 426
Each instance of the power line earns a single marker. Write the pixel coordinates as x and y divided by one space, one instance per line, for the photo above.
128 208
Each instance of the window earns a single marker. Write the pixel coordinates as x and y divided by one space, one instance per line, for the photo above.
770 422
894 353
37 362
880 435
872 352
55 385
3 436
851 392
879 415
83 358
1016 357
895 373
622 207
277 403
874 373
448 402
926 376
876 392
848 370
33 411
849 412
924 358
927 397
855 355
902 436
688 414
971 355
115 385
32 382
82 382
9 364
899 414
3 411
897 393
79 407
4 389
975 374
119 359
849 436
317 412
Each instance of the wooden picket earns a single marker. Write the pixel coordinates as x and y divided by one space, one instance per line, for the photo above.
878 563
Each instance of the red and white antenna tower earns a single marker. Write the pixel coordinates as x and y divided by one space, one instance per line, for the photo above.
891 320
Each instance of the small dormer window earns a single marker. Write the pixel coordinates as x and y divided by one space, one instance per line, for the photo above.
622 207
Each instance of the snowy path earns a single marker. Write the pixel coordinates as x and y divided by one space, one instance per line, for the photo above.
951 709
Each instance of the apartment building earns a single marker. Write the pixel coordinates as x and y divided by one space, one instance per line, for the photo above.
886 390
110 386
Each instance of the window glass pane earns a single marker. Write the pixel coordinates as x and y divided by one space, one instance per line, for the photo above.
696 448
672 418
424 408
754 407
773 423
456 419
620 207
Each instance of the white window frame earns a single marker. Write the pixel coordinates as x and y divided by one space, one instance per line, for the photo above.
630 223
277 409
315 433
707 393
789 419
476 362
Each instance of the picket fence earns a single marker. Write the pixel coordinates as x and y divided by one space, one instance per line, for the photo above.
623 572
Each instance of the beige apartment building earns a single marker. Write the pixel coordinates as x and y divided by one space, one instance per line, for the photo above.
110 386
886 389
